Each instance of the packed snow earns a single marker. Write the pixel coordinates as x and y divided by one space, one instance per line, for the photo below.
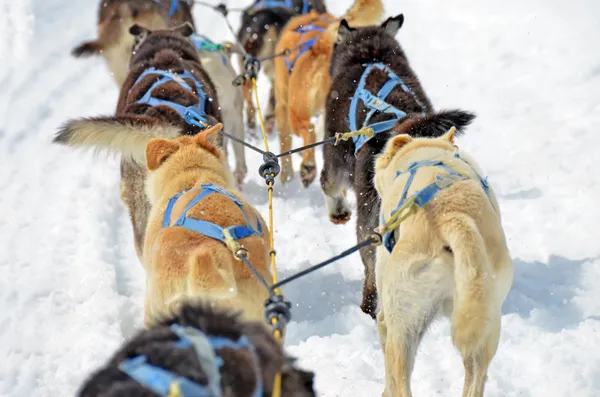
71 286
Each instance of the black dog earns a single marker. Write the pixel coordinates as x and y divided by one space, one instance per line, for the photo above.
260 28
200 352
368 63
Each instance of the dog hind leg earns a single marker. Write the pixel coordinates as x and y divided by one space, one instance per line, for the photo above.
299 117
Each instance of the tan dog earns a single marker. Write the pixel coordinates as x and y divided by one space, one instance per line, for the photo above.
302 79
183 264
449 258
115 17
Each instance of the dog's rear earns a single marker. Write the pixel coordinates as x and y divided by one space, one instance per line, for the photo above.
449 258
115 18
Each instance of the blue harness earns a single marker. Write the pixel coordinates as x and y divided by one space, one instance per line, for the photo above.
193 115
210 229
160 380
266 4
203 43
376 104
425 195
307 45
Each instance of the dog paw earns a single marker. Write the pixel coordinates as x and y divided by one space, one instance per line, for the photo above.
270 125
308 173
339 218
286 175
239 178
251 123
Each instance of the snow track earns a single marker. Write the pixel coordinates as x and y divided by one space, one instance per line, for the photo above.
71 286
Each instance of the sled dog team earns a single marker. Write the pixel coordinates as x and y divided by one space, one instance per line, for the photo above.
447 256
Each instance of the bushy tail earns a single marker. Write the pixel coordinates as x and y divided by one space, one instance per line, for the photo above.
434 125
87 49
125 135
474 308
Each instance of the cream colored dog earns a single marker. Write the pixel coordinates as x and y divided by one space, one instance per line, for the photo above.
449 258
184 263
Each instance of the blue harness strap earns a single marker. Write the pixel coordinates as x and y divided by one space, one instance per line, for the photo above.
376 104
160 380
203 43
306 45
425 195
266 4
194 114
210 229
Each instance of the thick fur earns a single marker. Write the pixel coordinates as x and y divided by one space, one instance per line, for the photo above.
237 380
115 17
259 32
135 124
301 94
232 104
450 259
343 170
183 265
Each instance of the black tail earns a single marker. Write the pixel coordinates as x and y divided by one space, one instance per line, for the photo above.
436 124
87 49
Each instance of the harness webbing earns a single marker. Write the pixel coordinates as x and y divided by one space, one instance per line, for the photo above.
194 114
210 229
163 382
376 104
308 44
424 196
266 4
203 43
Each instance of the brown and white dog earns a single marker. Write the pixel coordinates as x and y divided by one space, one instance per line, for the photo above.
448 258
260 28
183 263
162 51
115 17
302 79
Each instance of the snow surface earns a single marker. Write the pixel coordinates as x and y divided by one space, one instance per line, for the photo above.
71 286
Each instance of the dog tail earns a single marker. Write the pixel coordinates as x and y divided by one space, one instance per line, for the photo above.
434 125
125 135
361 13
209 277
87 49
474 313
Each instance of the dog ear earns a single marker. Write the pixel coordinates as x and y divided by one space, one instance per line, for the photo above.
449 136
393 24
202 139
158 150
186 29
391 148
137 30
343 30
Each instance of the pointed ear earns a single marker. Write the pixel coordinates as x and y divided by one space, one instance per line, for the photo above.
391 148
393 24
186 29
202 139
158 150
449 136
137 30
343 30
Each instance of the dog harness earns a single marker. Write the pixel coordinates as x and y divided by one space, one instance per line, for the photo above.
425 195
203 43
266 4
167 384
209 229
174 5
307 45
193 115
376 104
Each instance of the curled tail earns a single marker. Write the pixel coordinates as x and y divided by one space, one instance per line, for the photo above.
210 274
474 308
87 49
434 125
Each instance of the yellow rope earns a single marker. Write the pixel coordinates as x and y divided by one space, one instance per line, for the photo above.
399 216
344 136
276 334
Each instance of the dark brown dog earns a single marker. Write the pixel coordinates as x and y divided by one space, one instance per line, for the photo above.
245 369
127 131
343 168
260 28
115 17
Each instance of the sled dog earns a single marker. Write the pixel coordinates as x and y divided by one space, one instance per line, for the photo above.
167 94
448 257
302 78
368 63
115 17
197 221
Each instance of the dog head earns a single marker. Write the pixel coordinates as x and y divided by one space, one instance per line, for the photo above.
398 148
